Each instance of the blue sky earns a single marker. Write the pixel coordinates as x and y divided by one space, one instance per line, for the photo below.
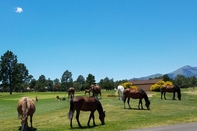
118 39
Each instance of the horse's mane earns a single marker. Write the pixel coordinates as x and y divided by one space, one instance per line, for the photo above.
24 107
145 95
100 108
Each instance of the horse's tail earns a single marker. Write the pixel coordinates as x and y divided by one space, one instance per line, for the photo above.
71 111
24 107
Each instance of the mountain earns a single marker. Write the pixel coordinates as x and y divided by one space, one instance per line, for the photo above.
186 71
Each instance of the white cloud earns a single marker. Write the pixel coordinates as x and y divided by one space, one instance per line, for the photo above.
18 10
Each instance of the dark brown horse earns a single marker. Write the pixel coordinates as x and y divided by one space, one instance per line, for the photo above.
95 91
171 89
25 108
71 92
87 91
136 94
91 104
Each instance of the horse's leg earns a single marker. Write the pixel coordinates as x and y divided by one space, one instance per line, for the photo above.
89 119
140 103
128 100
91 116
124 102
31 120
164 95
173 98
77 117
161 94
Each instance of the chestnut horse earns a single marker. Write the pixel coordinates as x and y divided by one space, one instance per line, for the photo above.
91 104
171 89
25 108
87 91
71 92
95 91
136 94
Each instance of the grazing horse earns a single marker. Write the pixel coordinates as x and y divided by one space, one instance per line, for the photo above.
35 99
25 108
71 92
120 90
91 104
95 91
136 94
170 89
87 91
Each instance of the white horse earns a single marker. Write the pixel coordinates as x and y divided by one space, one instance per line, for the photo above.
120 90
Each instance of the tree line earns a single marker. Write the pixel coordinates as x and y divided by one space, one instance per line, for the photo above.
15 77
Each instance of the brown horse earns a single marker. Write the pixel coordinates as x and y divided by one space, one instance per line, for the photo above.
95 91
71 92
136 94
87 91
170 89
91 104
25 108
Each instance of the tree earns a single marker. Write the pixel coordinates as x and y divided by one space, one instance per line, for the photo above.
89 80
181 80
65 79
56 84
41 83
107 83
80 80
166 78
12 73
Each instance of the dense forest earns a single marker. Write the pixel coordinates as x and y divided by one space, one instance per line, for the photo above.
15 77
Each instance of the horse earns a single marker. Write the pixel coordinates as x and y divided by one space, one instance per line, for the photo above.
95 91
120 90
25 108
171 89
136 94
58 98
71 92
35 99
87 91
83 103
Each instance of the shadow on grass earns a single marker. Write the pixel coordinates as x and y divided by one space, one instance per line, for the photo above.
136 109
85 127
28 129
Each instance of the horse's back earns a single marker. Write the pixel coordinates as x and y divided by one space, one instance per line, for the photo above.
30 105
168 88
133 93
84 103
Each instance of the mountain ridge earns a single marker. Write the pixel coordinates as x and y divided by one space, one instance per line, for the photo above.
187 71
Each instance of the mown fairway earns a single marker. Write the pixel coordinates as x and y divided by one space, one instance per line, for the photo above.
51 115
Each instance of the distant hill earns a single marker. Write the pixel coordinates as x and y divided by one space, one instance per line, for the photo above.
186 71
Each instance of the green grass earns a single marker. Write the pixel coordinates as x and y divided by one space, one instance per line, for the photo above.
51 115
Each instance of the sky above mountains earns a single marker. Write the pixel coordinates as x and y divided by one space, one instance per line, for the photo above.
119 39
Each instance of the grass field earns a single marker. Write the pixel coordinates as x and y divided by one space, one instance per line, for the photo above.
51 115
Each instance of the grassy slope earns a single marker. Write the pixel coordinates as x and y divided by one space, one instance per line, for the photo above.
51 115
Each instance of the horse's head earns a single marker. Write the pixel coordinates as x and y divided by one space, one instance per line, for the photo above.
102 117
179 95
178 92
148 105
